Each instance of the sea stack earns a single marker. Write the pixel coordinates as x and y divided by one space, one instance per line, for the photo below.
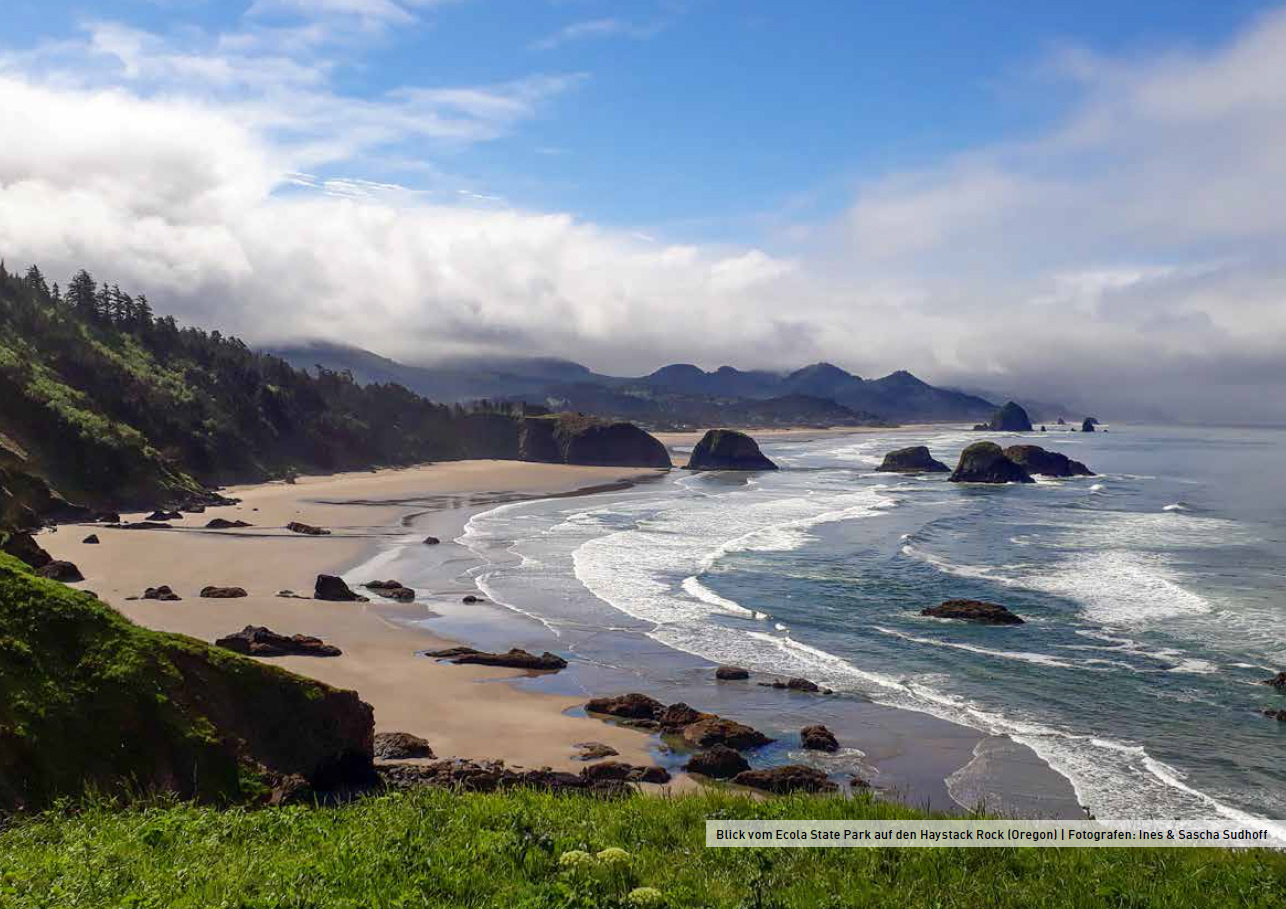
727 449
1037 460
1088 424
1010 418
915 459
985 462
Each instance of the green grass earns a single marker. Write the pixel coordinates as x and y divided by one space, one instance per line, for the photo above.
436 848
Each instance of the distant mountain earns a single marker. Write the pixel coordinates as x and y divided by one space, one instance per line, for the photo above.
674 396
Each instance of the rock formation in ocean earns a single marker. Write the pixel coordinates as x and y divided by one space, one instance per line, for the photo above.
818 738
698 729
985 462
1088 424
727 449
255 640
719 763
783 780
634 705
973 611
1036 460
731 674
722 731
915 459
1010 418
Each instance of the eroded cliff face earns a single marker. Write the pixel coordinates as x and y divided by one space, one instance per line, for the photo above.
90 701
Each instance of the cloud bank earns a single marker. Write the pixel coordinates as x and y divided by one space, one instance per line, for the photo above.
1131 256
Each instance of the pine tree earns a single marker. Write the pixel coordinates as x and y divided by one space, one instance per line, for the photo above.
143 311
36 281
81 293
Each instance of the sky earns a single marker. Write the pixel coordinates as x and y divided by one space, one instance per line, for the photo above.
1078 202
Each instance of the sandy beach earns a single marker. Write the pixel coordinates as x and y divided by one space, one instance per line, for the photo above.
464 711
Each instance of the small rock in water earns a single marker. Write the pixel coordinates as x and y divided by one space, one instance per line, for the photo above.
1277 681
1278 715
431 541
973 611
818 738
470 598
731 674
631 706
720 763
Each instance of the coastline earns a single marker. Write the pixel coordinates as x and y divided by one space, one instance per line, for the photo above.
458 709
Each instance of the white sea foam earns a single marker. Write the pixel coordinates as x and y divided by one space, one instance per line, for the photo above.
1040 659
694 588
1176 506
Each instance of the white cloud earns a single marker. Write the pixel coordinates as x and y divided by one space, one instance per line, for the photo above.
597 28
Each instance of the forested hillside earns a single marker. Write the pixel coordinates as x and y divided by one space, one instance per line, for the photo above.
115 405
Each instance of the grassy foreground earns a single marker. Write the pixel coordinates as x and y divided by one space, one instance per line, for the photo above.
435 848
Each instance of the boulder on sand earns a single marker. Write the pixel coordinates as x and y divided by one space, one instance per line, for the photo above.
727 449
782 780
223 593
915 459
431 541
719 763
329 587
594 751
163 593
985 462
225 524
630 773
973 611
56 570
307 529
399 746
91 540
393 590
1010 418
254 640
159 515
818 738
1036 460
513 659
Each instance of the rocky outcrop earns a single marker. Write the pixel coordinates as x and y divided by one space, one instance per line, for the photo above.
58 570
578 439
916 459
225 524
118 709
629 773
254 640
1278 681
470 598
784 780
1036 460
802 685
91 540
431 541
513 659
307 529
163 593
393 590
985 462
493 776
677 716
594 751
1088 424
223 593
632 706
818 738
719 763
1278 715
24 548
721 731
726 449
26 500
145 525
400 746
973 611
1010 418
731 674
329 587
159 515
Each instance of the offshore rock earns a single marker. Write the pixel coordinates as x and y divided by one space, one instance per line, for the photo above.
726 449
985 462
1036 460
973 611
818 738
1010 418
916 459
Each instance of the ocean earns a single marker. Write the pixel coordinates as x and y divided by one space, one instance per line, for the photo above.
1153 597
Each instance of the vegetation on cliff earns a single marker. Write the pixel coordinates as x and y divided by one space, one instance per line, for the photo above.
91 702
431 848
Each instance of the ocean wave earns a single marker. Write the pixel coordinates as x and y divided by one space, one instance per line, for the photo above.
694 588
1040 659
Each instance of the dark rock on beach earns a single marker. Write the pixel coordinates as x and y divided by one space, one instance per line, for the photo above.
818 738
726 449
399 746
431 541
107 517
223 593
985 462
731 674
163 593
719 763
783 780
225 524
491 776
677 716
720 731
1036 460
1010 418
513 659
630 773
594 751
91 540
915 459
973 611
393 590
329 587
66 572
164 516
470 598
24 548
633 706
254 640
145 525
307 529
802 685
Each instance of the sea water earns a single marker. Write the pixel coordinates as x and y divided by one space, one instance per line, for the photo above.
1152 594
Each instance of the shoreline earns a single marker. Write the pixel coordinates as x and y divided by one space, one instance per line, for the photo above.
460 710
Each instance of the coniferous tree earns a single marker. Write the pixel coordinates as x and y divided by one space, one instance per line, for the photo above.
36 281
81 294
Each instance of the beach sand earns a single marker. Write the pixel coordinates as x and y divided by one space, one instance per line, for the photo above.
461 710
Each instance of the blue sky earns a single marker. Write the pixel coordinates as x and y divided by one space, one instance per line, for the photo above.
1064 200
710 120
